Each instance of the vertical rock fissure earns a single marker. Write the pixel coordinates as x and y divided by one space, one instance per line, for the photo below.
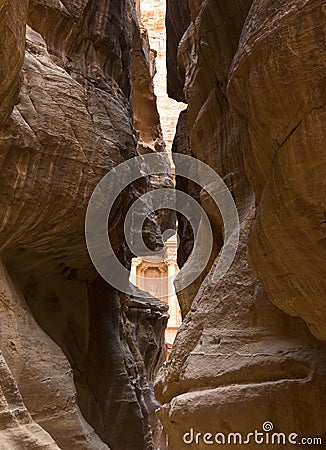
151 273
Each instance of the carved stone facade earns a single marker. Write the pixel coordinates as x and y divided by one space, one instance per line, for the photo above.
155 274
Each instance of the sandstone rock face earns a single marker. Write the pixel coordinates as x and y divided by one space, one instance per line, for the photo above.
255 102
43 374
212 131
238 362
12 26
286 161
83 356
153 18
177 21
185 233
146 117
17 429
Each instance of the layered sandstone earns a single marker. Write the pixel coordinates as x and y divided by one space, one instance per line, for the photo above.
238 361
83 356
251 73
285 160
17 428
12 19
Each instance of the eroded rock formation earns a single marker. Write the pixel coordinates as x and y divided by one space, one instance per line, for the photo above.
17 429
251 73
153 18
78 358
285 159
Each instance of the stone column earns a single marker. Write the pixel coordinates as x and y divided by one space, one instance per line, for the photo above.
133 270
172 299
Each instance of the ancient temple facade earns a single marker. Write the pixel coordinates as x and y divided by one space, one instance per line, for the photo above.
155 274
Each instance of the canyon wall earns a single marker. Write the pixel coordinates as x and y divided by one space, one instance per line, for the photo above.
78 358
252 75
153 19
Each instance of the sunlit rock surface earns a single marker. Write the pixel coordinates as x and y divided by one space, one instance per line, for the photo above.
277 87
17 429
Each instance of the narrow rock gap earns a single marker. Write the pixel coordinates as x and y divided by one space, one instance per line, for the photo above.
154 274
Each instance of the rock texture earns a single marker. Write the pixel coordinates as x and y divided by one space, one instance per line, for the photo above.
251 73
177 22
12 26
286 161
146 116
44 376
153 18
213 134
17 429
79 358
238 362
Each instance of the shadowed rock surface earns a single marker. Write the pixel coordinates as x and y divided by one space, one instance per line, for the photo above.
253 76
78 358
